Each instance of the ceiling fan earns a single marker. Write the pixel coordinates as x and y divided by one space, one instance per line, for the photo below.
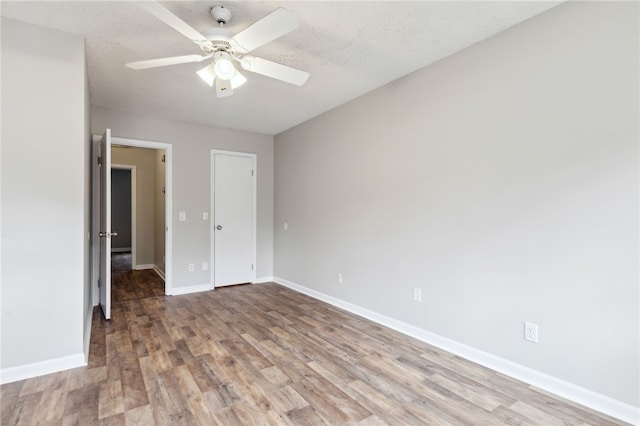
223 49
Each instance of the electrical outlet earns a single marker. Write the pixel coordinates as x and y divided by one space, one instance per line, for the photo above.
531 332
339 278
182 216
417 294
192 267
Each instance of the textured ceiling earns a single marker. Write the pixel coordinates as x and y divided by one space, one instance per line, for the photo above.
349 48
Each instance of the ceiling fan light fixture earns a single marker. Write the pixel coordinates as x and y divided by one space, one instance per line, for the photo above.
223 67
207 74
223 88
237 80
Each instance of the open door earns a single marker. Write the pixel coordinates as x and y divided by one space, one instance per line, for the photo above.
104 281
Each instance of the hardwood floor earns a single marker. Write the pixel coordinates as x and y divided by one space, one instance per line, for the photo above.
264 354
121 261
127 284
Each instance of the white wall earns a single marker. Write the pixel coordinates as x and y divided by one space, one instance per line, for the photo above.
192 145
44 209
502 181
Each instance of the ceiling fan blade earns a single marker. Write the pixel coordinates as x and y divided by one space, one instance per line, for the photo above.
163 14
161 62
274 70
274 25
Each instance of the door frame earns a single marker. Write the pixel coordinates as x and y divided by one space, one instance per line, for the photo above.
104 221
132 169
212 221
168 206
95 219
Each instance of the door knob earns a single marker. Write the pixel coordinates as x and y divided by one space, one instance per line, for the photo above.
108 234
219 227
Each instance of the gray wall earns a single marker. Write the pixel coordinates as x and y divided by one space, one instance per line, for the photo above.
145 161
191 146
44 206
503 181
121 208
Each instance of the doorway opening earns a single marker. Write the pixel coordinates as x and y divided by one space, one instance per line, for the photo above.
135 196
123 214
140 254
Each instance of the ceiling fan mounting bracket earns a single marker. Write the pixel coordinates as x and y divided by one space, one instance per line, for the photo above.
221 14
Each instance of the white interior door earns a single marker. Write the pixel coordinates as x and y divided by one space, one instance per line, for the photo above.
105 224
234 217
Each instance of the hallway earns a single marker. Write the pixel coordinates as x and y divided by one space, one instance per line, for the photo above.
128 284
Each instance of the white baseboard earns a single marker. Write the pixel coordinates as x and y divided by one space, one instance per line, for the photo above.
158 271
143 266
27 371
155 267
564 389
176 291
262 280
120 249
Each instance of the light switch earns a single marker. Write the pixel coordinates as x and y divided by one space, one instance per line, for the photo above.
182 216
205 215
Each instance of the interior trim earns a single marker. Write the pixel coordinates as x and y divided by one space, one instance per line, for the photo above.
27 371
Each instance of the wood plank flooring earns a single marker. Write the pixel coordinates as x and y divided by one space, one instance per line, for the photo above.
121 261
266 355
128 284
